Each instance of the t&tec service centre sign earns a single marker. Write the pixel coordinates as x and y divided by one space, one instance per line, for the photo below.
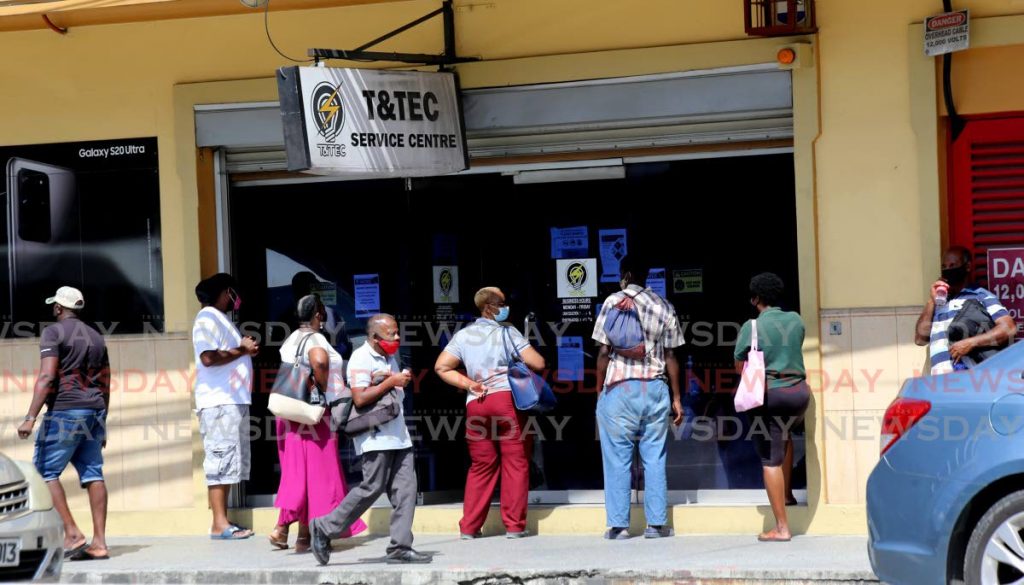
367 124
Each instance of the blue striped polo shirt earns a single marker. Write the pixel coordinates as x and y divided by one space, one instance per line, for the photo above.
938 346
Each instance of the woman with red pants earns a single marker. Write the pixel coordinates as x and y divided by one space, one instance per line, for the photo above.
494 428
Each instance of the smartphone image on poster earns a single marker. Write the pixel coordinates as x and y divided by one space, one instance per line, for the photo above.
44 236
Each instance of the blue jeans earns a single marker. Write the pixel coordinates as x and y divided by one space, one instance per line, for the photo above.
72 436
634 410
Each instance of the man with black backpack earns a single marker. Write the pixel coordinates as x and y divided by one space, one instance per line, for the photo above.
636 366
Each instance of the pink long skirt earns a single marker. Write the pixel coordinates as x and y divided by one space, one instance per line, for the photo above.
312 484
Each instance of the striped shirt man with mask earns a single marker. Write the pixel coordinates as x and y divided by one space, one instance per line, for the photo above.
934 322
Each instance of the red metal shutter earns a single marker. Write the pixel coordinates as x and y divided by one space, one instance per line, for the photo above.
986 204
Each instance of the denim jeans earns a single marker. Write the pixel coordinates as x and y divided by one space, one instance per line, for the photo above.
72 436
629 412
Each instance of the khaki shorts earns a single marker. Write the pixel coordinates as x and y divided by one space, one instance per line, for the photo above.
225 432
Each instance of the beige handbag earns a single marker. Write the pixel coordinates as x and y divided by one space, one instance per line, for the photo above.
295 396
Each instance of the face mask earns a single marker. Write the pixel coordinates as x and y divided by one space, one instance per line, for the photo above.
388 347
502 314
237 301
956 275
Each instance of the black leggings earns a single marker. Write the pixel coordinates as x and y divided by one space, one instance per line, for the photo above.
774 422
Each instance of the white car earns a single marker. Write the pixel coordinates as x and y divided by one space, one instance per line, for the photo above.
31 532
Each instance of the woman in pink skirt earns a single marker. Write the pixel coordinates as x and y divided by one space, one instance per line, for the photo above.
312 483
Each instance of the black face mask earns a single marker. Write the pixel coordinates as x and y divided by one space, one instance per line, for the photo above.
956 275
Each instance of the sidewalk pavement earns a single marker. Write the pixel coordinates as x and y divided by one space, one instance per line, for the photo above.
690 559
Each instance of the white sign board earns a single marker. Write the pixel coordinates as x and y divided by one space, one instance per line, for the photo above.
947 33
446 284
577 278
365 123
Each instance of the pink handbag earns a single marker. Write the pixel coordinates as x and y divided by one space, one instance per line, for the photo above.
750 392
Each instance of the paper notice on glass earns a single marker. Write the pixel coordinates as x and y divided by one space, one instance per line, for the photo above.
367 293
656 281
328 293
613 249
569 242
446 284
570 359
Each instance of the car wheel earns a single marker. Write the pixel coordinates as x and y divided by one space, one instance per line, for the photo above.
995 553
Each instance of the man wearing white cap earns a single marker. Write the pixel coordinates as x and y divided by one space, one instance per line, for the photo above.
74 384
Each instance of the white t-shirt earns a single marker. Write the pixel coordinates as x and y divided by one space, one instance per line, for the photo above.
335 381
365 368
229 383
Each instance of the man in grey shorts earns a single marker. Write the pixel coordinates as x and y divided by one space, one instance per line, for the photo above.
223 394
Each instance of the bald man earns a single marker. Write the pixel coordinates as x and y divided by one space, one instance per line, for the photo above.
386 451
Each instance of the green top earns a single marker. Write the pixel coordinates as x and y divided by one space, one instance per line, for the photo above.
780 335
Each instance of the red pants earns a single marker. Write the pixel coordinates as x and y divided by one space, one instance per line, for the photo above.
494 433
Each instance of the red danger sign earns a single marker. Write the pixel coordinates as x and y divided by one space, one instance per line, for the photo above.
947 32
951 19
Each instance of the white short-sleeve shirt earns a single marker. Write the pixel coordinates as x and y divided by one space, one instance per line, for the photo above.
229 383
366 368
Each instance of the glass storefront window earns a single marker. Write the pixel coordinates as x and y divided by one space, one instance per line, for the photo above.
498 232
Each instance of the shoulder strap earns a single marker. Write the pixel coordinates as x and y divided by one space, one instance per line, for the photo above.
626 292
300 351
753 335
506 337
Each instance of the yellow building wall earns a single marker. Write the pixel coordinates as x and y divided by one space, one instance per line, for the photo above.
988 80
875 229
880 207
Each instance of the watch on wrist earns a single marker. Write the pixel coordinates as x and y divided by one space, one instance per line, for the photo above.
29 418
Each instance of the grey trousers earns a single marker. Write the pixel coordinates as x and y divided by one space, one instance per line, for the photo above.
390 472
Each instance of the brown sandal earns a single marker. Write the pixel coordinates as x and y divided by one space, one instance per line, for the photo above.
276 540
302 544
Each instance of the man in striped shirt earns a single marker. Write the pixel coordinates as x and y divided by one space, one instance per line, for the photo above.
635 405
933 324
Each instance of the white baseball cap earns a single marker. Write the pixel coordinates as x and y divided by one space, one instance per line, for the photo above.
68 297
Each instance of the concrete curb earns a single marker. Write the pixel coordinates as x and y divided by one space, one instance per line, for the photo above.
423 576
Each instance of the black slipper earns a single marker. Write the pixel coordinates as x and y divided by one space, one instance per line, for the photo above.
85 555
74 551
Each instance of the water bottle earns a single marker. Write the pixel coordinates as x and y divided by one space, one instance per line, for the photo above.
941 296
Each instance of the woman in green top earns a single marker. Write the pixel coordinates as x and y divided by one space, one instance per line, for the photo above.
780 335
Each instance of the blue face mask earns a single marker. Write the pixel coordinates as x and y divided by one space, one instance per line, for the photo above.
502 314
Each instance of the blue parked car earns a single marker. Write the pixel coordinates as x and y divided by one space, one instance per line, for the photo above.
946 501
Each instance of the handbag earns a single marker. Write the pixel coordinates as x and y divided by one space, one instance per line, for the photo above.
972 319
348 419
624 329
529 391
294 396
750 392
